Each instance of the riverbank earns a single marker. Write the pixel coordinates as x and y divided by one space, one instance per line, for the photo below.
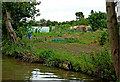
71 62
14 70
94 63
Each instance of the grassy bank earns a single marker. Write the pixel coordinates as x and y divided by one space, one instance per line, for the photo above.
95 63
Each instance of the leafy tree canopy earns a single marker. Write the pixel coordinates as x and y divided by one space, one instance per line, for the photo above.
19 12
79 15
97 20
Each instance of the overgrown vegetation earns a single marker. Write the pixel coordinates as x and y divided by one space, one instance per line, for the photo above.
23 47
104 38
97 63
94 64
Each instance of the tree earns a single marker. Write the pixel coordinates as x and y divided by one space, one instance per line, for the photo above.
92 11
15 15
43 22
12 34
54 23
97 20
49 22
83 21
79 15
113 34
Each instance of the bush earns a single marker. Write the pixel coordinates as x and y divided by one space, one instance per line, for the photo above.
104 38
45 53
10 48
103 62
97 63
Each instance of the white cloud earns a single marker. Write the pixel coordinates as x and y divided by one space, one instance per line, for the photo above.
64 10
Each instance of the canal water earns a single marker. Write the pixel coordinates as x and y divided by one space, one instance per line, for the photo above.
14 69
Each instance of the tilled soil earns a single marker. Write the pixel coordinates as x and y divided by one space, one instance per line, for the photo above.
72 48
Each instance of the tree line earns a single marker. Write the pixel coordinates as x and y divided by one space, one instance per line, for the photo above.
97 20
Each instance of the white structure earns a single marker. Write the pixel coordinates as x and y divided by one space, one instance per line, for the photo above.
44 29
39 29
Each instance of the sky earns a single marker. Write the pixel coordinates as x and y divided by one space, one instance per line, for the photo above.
64 10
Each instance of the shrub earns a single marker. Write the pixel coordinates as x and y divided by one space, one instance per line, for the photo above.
10 48
46 53
97 63
104 38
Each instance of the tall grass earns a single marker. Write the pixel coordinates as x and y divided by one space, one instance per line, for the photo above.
99 64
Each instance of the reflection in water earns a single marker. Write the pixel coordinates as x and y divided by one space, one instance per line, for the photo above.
37 75
14 69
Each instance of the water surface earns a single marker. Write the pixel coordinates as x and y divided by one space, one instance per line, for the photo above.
15 69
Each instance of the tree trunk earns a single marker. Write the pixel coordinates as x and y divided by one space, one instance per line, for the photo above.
113 34
10 30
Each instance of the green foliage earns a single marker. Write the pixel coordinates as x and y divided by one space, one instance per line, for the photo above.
103 61
64 28
43 22
84 37
50 56
97 20
45 54
93 64
38 40
22 48
36 30
118 24
82 21
57 28
104 38
19 12
72 40
21 31
50 27
50 34
79 15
